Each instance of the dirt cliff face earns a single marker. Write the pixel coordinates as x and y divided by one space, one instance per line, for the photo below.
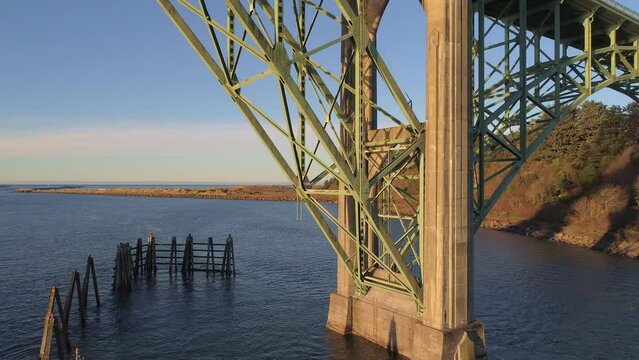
582 187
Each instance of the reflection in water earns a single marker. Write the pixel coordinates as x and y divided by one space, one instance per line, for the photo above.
538 300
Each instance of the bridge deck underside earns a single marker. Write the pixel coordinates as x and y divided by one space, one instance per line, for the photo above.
573 12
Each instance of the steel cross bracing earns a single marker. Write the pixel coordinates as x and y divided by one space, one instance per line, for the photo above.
284 44
535 62
531 68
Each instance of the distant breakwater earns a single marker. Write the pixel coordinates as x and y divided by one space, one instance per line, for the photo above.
247 192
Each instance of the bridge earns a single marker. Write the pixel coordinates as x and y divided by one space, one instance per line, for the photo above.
412 192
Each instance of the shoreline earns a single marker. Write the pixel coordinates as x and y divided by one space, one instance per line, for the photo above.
532 230
237 192
545 232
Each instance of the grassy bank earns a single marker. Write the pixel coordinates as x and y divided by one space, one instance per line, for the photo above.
582 186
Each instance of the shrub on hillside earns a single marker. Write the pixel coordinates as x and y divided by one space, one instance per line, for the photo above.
591 214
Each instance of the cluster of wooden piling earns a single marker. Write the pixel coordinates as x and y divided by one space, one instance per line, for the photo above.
191 256
58 325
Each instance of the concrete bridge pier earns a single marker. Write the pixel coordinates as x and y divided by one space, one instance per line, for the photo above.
443 328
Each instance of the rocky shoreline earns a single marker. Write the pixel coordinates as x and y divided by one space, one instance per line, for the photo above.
619 247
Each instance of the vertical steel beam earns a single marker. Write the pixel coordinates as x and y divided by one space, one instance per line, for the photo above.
537 60
613 53
558 67
301 80
588 51
360 39
481 54
279 20
507 67
523 79
230 43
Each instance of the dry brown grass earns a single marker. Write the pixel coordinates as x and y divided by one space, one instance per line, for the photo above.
590 215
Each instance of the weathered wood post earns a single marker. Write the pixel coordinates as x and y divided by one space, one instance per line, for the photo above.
228 260
210 255
123 272
138 260
224 268
90 271
59 326
51 327
231 253
151 267
74 284
187 259
173 255
59 320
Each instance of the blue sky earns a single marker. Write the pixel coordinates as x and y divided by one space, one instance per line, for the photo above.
108 91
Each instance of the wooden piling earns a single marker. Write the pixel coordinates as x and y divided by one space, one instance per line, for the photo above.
187 258
90 271
59 326
232 254
228 259
123 271
52 326
194 256
74 286
151 267
63 330
138 270
59 341
173 255
47 333
210 258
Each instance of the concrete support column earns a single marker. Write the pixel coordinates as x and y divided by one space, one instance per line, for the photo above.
442 330
446 235
340 313
346 205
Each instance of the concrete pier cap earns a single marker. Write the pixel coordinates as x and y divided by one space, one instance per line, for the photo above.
444 327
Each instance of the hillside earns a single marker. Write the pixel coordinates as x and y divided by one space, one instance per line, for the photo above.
582 185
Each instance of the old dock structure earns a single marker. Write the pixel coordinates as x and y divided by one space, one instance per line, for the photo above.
143 260
58 325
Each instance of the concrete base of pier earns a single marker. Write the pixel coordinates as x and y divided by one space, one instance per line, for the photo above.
391 320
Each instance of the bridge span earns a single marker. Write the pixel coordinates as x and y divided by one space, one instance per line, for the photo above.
412 191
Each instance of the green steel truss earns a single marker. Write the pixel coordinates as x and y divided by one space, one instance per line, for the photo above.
535 62
530 69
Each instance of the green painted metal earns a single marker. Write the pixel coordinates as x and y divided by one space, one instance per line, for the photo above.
533 63
575 53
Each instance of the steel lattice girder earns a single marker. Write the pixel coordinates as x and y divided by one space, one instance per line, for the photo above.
324 141
529 67
534 63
